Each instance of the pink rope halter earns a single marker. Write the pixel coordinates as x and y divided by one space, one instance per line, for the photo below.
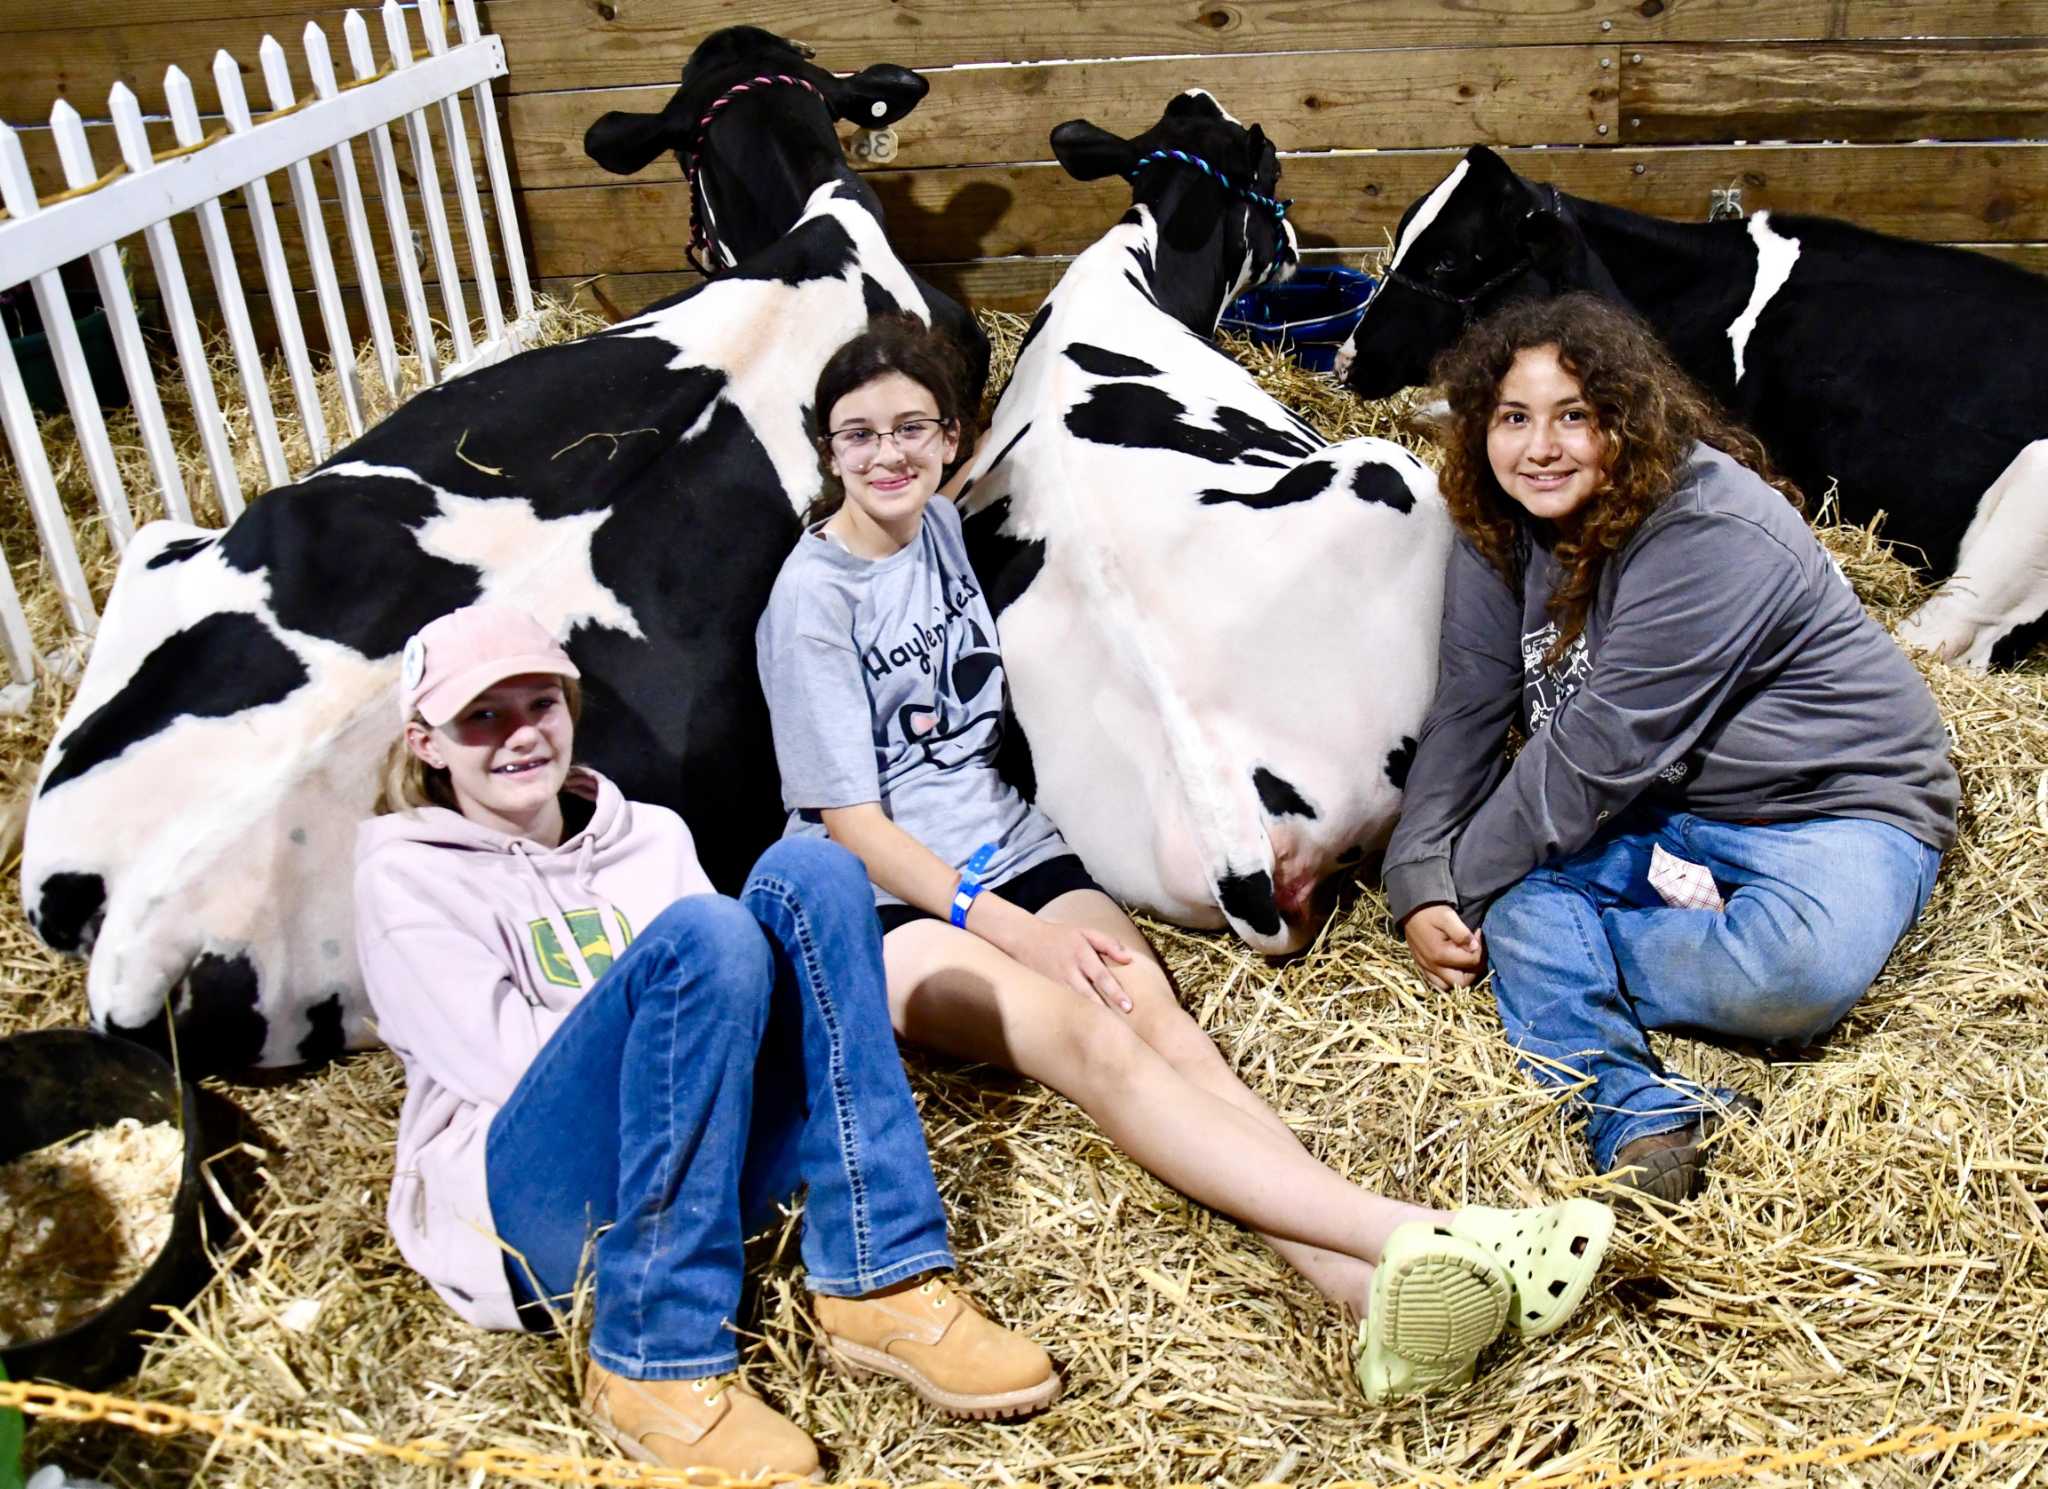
700 238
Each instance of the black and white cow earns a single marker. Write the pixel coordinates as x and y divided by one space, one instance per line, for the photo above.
637 489
1220 631
1909 373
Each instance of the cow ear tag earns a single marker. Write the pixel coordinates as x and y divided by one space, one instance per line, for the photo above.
414 665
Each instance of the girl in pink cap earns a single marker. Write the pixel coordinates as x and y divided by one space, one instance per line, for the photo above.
604 1058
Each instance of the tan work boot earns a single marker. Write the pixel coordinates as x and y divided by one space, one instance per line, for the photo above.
704 1423
930 1335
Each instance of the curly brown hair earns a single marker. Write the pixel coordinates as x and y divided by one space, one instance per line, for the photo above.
1645 409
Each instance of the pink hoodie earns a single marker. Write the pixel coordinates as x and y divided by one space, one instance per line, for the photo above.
475 945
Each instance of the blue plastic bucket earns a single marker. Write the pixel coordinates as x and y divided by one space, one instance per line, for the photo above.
1310 314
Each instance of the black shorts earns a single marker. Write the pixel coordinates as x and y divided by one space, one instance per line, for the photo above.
1031 890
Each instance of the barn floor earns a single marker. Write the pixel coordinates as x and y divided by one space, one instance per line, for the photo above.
1871 1256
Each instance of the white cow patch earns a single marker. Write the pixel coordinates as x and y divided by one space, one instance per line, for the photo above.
765 336
1432 207
1775 256
1205 93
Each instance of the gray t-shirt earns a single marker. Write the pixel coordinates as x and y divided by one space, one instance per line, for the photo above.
884 684
1726 669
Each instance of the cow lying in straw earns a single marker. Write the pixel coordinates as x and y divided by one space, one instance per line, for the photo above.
1220 631
1857 358
635 489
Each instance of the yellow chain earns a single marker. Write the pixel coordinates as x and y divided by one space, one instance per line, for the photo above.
161 1420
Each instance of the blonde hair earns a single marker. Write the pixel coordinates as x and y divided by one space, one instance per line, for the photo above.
409 783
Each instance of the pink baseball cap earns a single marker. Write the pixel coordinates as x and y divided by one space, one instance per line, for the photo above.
449 661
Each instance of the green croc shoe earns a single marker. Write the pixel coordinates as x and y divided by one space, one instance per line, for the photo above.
1437 1301
1551 1254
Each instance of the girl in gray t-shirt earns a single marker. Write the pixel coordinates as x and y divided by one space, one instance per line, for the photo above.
878 655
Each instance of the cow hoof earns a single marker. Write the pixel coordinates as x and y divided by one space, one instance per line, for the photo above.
1954 640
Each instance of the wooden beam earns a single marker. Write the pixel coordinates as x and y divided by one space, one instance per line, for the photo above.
1319 101
1940 193
553 45
1902 91
556 45
80 66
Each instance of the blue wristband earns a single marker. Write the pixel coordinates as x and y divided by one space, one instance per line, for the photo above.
963 901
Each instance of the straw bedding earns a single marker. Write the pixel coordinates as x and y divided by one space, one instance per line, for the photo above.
1873 1254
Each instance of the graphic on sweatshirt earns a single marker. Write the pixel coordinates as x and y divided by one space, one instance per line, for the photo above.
959 721
587 926
1548 688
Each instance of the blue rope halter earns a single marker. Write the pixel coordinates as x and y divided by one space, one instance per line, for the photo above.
1256 198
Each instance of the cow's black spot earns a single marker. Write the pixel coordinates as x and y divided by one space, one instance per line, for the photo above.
676 716
222 665
1141 255
1013 757
1031 331
178 550
818 248
1143 288
323 1038
220 1024
67 913
341 550
1005 565
878 300
1248 899
1279 797
1256 434
1105 363
1141 416
1399 759
1306 481
343 560
1373 482
1132 218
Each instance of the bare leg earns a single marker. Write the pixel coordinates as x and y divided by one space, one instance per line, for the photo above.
952 991
1163 1023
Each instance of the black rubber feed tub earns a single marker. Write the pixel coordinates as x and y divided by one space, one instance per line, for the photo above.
53 1083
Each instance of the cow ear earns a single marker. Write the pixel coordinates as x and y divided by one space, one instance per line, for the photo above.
1089 153
624 143
876 95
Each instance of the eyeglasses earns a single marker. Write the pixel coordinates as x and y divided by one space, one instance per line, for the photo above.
858 449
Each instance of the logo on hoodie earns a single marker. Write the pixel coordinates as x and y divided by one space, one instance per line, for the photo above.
587 926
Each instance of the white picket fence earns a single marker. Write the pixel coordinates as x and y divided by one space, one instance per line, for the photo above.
148 189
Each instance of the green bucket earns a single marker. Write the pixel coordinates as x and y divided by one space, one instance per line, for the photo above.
10 1444
46 391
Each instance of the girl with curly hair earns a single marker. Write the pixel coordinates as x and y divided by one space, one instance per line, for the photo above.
1735 789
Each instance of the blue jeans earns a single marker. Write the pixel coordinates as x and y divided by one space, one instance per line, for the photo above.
1586 956
737 1050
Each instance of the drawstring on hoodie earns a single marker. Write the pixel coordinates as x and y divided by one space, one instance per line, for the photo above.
557 921
586 882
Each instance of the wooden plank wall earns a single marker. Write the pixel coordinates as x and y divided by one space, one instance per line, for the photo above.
1915 117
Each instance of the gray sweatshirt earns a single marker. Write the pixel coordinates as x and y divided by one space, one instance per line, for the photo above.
1726 669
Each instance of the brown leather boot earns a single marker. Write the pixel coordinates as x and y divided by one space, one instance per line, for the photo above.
713 1422
931 1335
